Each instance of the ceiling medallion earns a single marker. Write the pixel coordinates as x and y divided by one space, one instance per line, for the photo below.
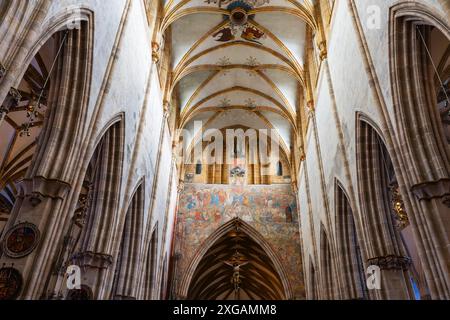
10 284
21 240
252 3
224 103
253 63
240 26
250 103
224 62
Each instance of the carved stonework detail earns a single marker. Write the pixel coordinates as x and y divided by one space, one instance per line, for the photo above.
391 262
433 190
310 108
12 101
38 188
446 201
166 109
302 154
10 283
93 260
400 216
155 51
21 240
323 53
189 177
181 186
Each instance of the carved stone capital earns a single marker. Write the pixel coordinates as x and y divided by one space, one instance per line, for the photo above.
310 108
302 154
11 101
155 51
181 186
391 262
323 52
166 109
433 190
93 260
38 188
294 187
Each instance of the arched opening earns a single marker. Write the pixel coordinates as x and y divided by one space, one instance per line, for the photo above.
420 64
388 236
40 123
279 169
164 280
22 116
349 248
326 267
236 267
198 168
150 272
88 237
128 261
313 291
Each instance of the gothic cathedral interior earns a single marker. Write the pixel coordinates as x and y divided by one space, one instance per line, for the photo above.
225 150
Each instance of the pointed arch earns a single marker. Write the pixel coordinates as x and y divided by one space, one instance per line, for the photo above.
326 267
102 215
383 242
151 266
313 291
254 235
129 258
348 246
423 133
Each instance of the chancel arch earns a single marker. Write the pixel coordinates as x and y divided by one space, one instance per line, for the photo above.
208 149
236 263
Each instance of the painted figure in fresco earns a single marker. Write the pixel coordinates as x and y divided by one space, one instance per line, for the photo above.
224 35
215 200
252 34
191 203
289 216
238 199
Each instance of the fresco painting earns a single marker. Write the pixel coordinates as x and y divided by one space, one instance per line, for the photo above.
271 210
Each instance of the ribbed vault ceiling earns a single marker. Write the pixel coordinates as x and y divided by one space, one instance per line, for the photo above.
225 68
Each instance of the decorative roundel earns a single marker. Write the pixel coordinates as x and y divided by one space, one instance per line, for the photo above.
21 240
83 294
10 284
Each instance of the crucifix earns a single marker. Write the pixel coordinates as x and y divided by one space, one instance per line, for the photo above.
236 262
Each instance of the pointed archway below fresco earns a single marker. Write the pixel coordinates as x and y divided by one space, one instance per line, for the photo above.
236 263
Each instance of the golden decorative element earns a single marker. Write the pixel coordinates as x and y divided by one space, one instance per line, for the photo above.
166 109
323 50
302 155
155 51
398 207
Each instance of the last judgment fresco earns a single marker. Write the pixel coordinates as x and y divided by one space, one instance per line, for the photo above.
271 210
